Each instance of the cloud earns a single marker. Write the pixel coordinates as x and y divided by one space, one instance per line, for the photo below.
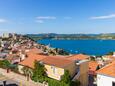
39 21
46 17
42 19
104 17
3 21
67 17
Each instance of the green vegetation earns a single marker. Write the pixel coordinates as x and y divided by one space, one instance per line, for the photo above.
38 72
65 81
66 78
14 68
110 53
92 58
52 82
62 52
39 75
56 51
4 64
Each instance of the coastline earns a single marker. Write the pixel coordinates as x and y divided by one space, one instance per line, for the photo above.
97 47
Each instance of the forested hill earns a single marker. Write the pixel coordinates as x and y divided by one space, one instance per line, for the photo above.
71 36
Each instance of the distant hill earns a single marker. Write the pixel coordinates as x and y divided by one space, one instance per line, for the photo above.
71 36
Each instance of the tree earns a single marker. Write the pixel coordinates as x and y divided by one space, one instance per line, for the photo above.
62 52
27 72
38 72
75 83
4 64
66 78
98 67
92 58
110 53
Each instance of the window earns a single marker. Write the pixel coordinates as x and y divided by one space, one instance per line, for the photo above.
54 69
113 83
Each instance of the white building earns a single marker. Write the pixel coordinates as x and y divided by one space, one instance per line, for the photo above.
106 75
6 35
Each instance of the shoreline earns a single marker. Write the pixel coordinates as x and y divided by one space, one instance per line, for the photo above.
101 48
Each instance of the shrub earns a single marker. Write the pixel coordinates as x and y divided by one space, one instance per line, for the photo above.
53 82
4 64
110 53
66 78
75 83
38 72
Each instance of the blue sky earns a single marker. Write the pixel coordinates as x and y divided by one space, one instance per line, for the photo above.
57 16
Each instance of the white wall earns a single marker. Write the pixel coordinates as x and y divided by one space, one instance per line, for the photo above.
103 80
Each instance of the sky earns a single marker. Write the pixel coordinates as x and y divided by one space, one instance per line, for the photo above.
57 16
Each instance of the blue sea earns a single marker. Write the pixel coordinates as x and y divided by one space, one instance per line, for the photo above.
90 47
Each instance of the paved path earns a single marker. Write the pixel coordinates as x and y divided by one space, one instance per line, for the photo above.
19 78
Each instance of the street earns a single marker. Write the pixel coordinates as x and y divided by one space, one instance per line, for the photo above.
14 79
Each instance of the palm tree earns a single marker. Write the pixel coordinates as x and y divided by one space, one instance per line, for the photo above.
27 72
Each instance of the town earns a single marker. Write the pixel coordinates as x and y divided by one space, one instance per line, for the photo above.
24 62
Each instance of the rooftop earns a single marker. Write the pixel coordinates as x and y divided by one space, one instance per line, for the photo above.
57 61
108 70
30 60
78 57
32 55
93 65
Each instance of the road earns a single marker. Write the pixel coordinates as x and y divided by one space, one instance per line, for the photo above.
19 78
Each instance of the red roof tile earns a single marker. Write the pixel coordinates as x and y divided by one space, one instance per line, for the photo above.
32 55
57 61
108 70
93 65
78 57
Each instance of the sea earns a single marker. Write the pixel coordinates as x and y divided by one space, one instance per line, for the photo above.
89 47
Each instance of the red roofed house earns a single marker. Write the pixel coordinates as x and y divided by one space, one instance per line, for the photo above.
55 66
106 75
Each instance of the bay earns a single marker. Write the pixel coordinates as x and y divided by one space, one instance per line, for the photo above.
90 47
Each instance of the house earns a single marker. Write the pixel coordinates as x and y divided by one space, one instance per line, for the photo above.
106 75
108 57
29 61
56 65
81 62
76 64
82 74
